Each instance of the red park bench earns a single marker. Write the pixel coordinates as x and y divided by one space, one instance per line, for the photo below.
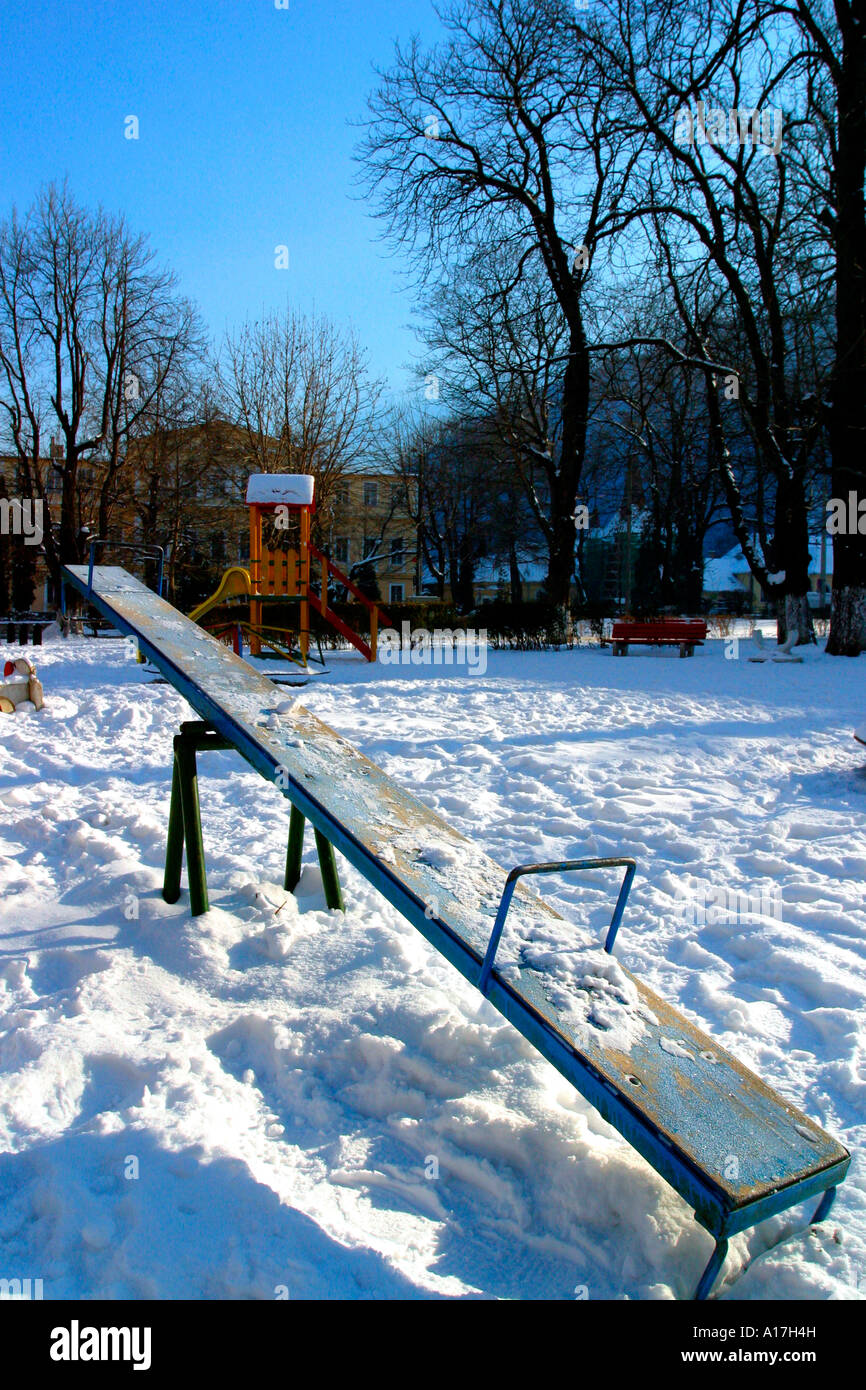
685 633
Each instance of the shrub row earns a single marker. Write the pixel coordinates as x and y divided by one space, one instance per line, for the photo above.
529 626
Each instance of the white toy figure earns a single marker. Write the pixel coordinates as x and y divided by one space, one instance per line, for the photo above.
19 685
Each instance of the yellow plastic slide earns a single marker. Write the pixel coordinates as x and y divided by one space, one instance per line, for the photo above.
235 581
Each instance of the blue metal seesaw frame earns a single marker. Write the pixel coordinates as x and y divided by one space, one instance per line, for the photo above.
151 552
720 1250
734 1149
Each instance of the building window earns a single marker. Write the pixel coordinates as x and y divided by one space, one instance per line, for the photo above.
398 495
370 545
371 494
398 551
342 496
395 593
341 550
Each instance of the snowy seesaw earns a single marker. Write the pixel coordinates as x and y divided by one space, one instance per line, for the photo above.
736 1151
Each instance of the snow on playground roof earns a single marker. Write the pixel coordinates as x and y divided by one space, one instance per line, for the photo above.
280 489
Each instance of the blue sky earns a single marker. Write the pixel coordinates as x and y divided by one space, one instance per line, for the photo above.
244 143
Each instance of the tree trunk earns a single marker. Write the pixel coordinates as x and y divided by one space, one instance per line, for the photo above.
795 615
463 582
848 620
563 500
558 584
791 555
106 491
68 529
514 574
848 413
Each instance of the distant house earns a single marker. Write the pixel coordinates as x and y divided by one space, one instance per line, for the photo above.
729 574
492 579
372 526
87 502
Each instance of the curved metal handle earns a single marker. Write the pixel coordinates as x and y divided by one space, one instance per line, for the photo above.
158 552
563 866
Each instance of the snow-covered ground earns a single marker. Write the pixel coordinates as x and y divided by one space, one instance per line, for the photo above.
277 1099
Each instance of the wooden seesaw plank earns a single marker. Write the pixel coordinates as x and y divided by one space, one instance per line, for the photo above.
736 1150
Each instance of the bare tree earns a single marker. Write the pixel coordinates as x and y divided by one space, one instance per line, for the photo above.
182 483
450 488
497 345
726 203
89 325
162 343
301 391
504 136
660 412
764 216
409 440
829 59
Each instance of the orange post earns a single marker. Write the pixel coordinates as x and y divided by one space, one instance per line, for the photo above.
255 576
304 634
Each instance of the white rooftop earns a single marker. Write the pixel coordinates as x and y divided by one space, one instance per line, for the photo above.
280 489
722 573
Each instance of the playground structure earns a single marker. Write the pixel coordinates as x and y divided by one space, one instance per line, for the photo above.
684 1103
19 685
280 576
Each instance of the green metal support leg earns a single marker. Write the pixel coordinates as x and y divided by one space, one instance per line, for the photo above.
330 877
174 844
295 850
327 861
184 816
184 829
184 752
